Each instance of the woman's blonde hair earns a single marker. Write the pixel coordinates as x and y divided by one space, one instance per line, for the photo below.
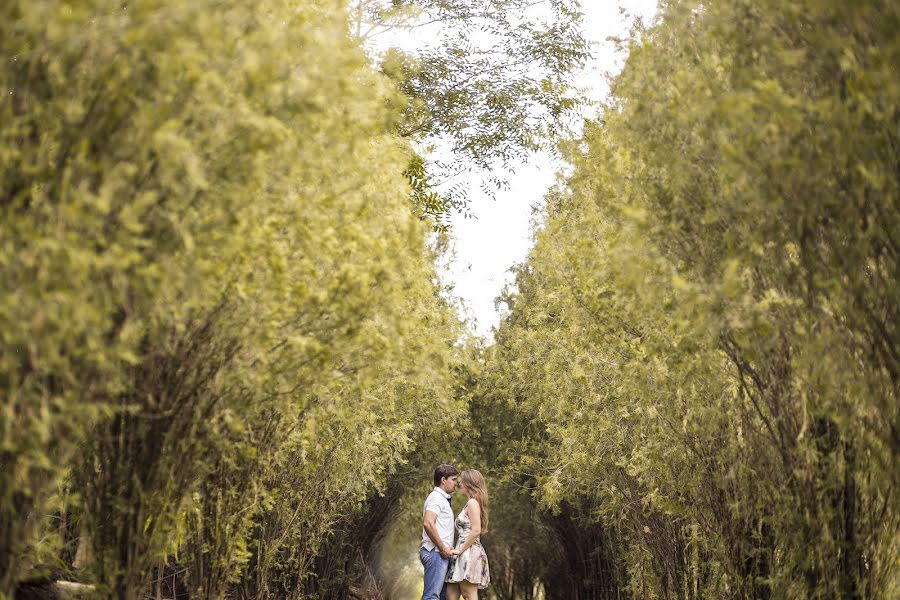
477 488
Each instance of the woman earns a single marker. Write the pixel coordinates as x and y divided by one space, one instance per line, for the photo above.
469 565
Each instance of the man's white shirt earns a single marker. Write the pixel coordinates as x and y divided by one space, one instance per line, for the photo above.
438 502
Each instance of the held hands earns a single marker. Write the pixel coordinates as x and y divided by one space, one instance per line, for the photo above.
455 552
447 551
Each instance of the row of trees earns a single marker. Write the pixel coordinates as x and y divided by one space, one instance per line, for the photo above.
226 357
700 364
221 315
219 312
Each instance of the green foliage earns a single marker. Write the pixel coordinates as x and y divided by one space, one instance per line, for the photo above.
224 346
425 198
223 313
704 337
490 84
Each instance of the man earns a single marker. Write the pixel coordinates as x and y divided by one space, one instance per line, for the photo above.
437 532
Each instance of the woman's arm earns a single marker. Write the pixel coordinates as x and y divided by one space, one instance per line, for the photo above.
474 510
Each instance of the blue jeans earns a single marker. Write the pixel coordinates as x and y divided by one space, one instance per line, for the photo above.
435 574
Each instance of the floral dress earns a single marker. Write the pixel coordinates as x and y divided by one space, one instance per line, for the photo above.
471 565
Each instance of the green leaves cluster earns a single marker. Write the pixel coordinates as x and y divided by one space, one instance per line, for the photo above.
222 333
220 314
702 347
487 81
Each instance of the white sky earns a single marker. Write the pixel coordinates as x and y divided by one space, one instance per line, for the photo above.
500 234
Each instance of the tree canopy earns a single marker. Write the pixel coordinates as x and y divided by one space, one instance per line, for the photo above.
229 364
221 311
486 81
700 350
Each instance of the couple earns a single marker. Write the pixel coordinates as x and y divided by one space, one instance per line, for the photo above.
463 569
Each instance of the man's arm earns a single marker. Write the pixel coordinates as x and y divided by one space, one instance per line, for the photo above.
428 522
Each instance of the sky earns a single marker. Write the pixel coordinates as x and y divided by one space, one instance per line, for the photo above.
500 234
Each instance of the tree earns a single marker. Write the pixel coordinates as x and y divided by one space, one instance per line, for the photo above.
491 84
231 309
700 335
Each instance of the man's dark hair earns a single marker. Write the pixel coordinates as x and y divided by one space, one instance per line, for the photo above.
442 471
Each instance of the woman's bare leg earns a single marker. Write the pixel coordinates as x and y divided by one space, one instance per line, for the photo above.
469 591
452 591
